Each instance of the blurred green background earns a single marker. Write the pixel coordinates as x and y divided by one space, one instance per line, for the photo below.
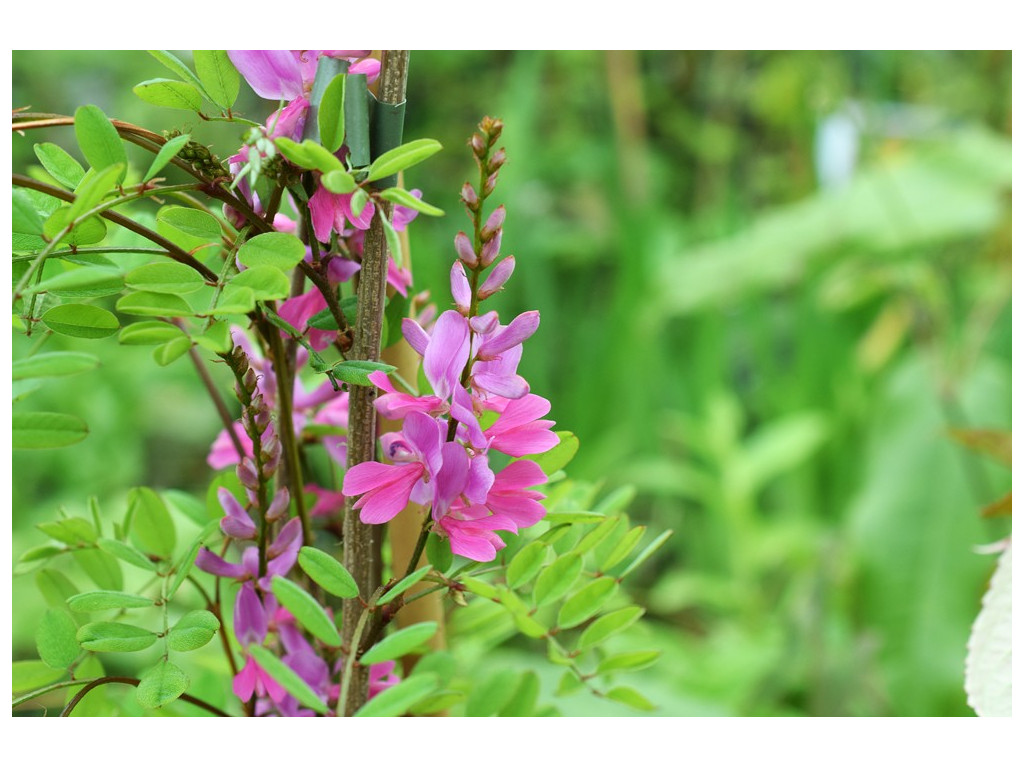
769 284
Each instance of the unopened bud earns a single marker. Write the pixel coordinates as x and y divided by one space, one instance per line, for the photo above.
246 472
497 160
493 223
461 291
469 195
464 248
489 185
490 250
279 505
261 419
477 144
249 380
498 277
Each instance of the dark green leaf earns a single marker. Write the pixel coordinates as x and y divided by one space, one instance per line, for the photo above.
358 371
193 630
331 114
413 578
557 579
55 639
167 153
288 679
105 600
398 699
631 660
165 278
60 165
266 283
274 249
327 572
218 75
399 644
306 610
126 553
82 320
439 553
97 138
149 304
161 685
149 332
53 364
586 602
152 527
46 430
608 625
526 564
402 157
175 94
399 196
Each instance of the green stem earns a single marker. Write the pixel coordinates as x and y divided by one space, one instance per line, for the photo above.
350 663
98 249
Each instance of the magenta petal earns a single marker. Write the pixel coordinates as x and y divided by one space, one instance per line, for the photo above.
290 533
518 331
425 434
447 353
368 67
498 277
273 75
512 387
451 480
462 411
218 566
250 619
415 335
481 478
460 287
322 209
244 684
520 474
386 501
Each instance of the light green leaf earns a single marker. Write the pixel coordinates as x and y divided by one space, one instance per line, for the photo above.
70 530
524 699
266 283
170 351
623 547
55 588
649 550
82 283
149 332
596 536
188 228
358 201
165 278
87 232
274 249
175 94
398 699
331 114
358 371
53 364
103 569
46 430
106 600
177 66
126 553
152 527
187 561
288 678
30 674
167 153
526 564
327 572
24 217
399 644
556 458
488 697
339 182
55 639
578 517
439 553
161 685
94 188
413 578
235 300
557 579
82 320
59 164
402 157
309 155
149 304
193 630
631 660
399 196
97 138
586 602
480 587
391 237
218 75
114 637
608 625
631 698
216 338
306 610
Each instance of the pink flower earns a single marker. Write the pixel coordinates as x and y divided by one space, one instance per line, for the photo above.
253 679
331 211
519 430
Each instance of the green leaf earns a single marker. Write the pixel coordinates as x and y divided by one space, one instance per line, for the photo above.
358 201
391 237
587 601
235 300
149 332
578 517
187 561
177 66
175 94
402 157
524 699
81 320
167 153
94 188
266 283
631 660
327 572
557 579
193 630
404 584
126 553
649 550
218 75
331 114
528 625
87 232
273 249
480 587
31 674
399 196
82 283
149 304
106 600
188 228
161 685
358 371
70 530
288 678
306 610
596 536
170 351
309 155
555 458
53 364
489 697
339 182
59 164
55 639
608 625
216 338
526 564
631 698
97 138
568 684
439 553
398 699
46 430
400 643
114 637
623 547
165 278
24 217
55 588
103 569
152 527
437 702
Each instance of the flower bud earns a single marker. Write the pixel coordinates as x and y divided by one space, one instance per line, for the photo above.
496 280
469 195
497 160
491 182
246 472
477 144
490 250
464 248
249 380
493 223
461 291
279 505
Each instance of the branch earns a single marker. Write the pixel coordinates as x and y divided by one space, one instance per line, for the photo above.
90 684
